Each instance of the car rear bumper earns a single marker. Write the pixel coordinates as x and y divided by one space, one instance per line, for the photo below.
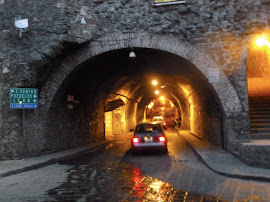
152 144
138 147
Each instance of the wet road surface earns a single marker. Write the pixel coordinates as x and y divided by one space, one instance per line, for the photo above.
114 173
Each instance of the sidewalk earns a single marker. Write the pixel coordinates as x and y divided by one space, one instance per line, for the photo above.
212 156
10 167
222 162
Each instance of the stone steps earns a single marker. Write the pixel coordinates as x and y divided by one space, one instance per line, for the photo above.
256 151
260 125
260 136
260 130
255 120
266 113
259 108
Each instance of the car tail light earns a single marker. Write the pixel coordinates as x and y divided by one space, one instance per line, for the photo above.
164 123
161 139
136 139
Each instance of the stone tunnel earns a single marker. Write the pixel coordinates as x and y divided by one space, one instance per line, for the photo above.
96 79
76 54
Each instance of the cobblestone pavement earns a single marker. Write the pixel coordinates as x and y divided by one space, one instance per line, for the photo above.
115 174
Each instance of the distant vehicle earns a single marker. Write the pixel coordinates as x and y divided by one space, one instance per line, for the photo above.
160 120
149 136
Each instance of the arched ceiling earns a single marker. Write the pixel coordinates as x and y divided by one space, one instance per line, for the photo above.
112 79
125 78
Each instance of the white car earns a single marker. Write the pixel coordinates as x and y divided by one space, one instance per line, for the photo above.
160 120
149 136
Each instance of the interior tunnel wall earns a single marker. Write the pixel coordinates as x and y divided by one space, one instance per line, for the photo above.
130 119
200 106
183 105
74 119
205 119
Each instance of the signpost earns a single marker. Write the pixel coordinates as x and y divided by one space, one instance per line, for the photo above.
23 98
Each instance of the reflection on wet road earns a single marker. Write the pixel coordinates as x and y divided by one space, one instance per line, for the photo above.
115 174
101 181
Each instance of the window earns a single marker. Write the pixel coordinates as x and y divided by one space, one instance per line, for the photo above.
148 128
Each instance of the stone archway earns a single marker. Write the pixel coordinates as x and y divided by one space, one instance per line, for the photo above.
203 62
225 91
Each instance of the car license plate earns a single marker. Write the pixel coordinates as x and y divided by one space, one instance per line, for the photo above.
148 139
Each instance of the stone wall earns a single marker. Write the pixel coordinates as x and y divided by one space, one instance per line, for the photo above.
222 29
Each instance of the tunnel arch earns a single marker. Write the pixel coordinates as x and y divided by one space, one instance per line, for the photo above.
141 40
224 90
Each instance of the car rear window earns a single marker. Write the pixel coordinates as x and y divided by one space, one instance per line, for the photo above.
157 118
146 128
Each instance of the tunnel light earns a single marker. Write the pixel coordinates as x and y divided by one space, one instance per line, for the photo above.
132 54
162 98
157 92
154 82
149 106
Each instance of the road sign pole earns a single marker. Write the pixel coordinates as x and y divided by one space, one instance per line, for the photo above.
23 98
23 127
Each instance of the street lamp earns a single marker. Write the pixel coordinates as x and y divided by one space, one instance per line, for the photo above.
157 92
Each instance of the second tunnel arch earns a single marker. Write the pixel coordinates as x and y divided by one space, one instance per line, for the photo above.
169 44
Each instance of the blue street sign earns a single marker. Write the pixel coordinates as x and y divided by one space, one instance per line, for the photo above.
23 98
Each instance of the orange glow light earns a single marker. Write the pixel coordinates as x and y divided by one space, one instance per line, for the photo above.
262 41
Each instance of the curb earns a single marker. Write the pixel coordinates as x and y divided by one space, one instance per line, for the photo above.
54 160
245 177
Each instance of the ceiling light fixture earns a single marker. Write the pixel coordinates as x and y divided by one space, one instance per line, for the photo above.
154 82
132 54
